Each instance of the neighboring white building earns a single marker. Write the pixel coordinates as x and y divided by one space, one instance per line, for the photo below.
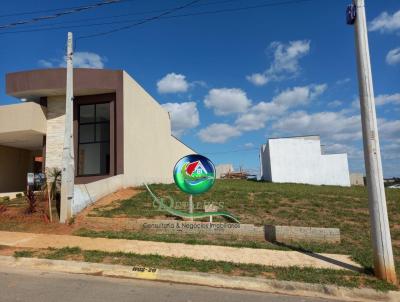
357 179
223 169
299 160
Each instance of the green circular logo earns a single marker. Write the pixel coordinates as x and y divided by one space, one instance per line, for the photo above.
194 174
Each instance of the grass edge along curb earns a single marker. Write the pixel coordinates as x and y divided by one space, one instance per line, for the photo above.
205 279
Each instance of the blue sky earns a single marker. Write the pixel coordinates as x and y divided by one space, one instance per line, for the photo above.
233 79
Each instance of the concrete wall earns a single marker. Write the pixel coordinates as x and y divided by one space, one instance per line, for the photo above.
150 152
86 194
14 165
299 160
55 131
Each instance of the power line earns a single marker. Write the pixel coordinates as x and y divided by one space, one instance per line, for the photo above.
141 21
37 11
137 13
60 14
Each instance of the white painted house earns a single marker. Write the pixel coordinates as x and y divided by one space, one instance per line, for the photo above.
300 160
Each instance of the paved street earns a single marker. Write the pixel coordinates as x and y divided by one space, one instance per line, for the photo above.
37 286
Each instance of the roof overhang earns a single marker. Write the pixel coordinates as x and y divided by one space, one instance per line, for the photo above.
51 82
23 125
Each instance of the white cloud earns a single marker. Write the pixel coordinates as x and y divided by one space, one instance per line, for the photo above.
81 59
335 103
88 60
336 126
258 79
285 63
226 101
384 99
352 151
184 116
218 133
389 130
256 117
248 145
343 81
393 56
391 151
299 95
389 135
172 83
385 22
46 63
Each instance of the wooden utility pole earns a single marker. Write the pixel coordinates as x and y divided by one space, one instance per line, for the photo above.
68 164
380 232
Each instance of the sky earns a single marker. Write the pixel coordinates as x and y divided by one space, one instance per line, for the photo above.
231 73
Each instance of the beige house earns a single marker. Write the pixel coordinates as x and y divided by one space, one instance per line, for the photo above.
122 136
357 179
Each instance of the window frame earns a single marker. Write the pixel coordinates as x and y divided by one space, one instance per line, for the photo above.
111 99
95 122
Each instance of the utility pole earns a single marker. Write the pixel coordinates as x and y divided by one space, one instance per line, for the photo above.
68 164
380 232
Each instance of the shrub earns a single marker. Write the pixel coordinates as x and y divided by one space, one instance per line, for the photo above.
18 195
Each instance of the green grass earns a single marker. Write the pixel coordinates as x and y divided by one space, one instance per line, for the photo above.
320 276
182 238
63 253
23 253
262 203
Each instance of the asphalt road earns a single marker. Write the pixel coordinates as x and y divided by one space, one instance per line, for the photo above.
38 286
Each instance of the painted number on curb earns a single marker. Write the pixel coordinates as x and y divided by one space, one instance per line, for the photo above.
145 272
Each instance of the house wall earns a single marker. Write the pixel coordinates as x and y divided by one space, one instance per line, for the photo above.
300 161
357 179
55 131
86 194
15 164
222 169
265 168
150 152
22 117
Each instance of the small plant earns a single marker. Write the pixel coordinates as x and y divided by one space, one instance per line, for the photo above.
18 195
54 179
5 198
30 196
71 220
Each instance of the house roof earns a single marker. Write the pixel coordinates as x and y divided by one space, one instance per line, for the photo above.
193 166
37 83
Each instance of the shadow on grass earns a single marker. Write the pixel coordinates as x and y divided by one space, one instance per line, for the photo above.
323 258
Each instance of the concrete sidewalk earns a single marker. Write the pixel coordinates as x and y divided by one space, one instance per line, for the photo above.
198 252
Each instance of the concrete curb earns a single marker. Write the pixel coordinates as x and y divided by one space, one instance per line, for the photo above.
205 279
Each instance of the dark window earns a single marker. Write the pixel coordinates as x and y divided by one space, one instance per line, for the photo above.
94 139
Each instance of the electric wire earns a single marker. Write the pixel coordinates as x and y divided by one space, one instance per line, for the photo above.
60 14
157 17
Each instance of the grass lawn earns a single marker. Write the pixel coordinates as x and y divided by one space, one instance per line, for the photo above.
309 275
279 204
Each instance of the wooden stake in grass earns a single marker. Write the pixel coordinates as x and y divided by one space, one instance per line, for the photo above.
191 206
49 200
